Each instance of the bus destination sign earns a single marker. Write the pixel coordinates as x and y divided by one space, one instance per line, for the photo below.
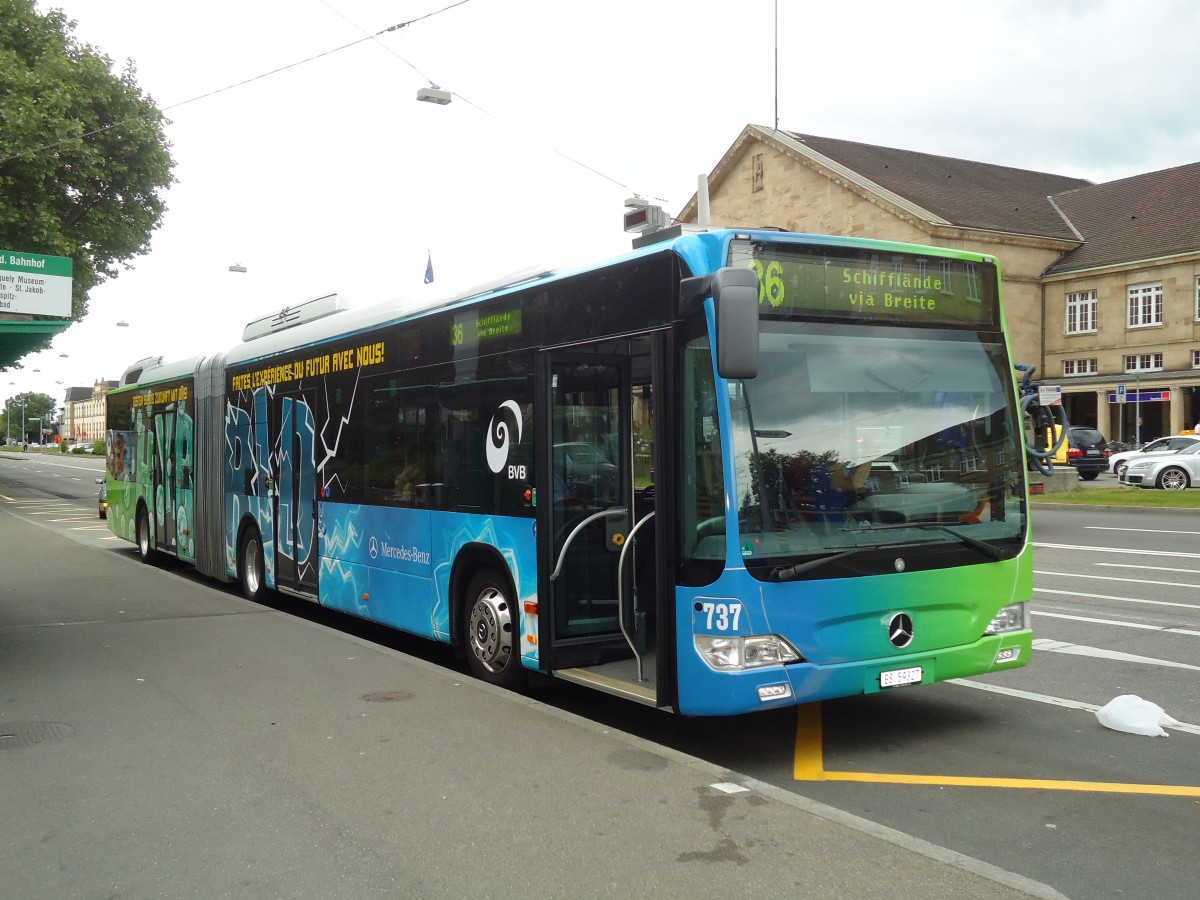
892 287
475 327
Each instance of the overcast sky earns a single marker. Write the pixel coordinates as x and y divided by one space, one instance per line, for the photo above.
331 177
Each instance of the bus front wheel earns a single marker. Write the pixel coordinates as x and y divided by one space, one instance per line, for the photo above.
145 541
492 632
250 564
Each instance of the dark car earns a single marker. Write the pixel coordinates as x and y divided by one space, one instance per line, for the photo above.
102 497
1087 451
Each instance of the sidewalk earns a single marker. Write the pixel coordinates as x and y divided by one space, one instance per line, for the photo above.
165 738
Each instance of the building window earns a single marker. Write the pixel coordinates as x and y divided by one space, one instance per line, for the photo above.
973 283
1144 362
1196 359
1198 297
1081 312
1145 305
921 267
1081 366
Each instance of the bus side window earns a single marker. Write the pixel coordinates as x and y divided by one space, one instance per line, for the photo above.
403 461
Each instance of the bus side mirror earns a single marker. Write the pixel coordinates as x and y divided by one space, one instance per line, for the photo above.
735 293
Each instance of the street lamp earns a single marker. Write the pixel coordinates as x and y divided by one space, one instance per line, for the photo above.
433 94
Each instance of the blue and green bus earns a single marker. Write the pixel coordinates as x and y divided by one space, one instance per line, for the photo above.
725 472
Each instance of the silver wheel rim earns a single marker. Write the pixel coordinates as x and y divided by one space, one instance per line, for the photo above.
143 535
491 630
250 561
1174 480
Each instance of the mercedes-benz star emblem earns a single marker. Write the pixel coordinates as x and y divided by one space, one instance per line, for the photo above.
374 548
900 630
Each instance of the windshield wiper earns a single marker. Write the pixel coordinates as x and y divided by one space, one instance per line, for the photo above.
787 573
989 550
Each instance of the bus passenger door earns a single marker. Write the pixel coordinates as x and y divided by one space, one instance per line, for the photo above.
589 447
295 497
164 478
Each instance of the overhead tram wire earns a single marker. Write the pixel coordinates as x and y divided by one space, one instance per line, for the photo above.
229 87
432 83
367 37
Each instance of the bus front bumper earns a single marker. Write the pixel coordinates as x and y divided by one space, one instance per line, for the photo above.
729 693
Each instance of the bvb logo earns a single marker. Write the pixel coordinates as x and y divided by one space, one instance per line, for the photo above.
499 435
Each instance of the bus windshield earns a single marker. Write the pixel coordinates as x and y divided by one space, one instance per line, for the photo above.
860 437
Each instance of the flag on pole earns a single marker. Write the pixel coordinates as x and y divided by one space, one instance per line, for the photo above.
428 268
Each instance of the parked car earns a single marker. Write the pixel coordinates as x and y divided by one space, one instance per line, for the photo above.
1118 461
587 473
102 497
1087 451
1170 471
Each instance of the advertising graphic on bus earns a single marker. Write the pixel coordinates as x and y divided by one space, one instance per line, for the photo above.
726 472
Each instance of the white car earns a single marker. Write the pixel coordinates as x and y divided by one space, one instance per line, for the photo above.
1176 471
1118 461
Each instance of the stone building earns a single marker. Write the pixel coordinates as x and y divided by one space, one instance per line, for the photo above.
1101 281
84 411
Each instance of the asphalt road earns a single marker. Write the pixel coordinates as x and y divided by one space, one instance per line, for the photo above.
1015 769
162 737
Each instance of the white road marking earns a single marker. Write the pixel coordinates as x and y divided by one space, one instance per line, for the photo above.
1115 578
1101 653
1053 701
1038 590
1139 625
1118 550
1150 568
1137 530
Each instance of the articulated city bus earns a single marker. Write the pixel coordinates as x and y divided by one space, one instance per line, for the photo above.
725 472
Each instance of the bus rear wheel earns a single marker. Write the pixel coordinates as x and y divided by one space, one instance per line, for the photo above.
492 632
250 564
145 542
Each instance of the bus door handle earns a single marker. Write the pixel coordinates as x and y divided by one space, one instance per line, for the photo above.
621 594
618 511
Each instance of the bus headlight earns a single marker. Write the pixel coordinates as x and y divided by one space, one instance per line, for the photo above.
736 653
1014 617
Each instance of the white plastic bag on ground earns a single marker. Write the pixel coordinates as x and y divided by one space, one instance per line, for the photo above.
1132 714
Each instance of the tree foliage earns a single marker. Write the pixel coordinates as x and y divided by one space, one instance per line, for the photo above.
84 161
37 406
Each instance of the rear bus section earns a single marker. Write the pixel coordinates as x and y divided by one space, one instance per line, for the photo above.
150 464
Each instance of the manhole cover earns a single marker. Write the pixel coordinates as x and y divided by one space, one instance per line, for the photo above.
387 696
26 734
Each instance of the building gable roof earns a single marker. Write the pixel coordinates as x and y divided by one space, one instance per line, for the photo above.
1144 217
959 192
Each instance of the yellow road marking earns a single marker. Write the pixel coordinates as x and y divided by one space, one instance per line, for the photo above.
809 765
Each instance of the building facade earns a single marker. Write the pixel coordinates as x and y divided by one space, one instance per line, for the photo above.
84 412
1101 282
